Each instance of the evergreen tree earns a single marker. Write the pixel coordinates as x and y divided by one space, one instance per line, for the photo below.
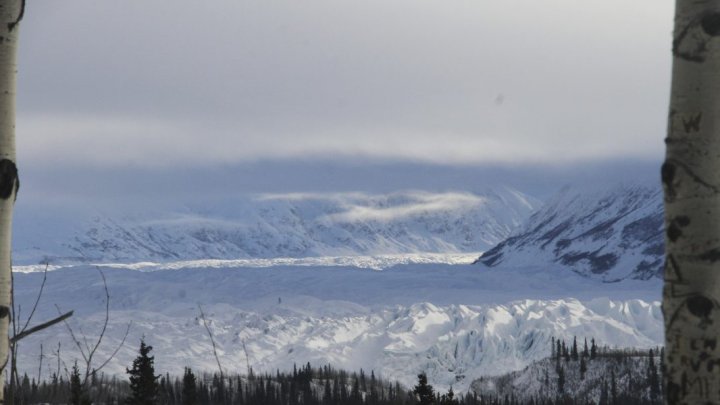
662 370
561 382
557 364
603 393
593 349
189 390
558 349
585 352
143 381
653 378
327 394
574 352
583 368
77 391
449 399
424 393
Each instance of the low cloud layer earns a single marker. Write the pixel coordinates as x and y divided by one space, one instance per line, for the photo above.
358 206
155 84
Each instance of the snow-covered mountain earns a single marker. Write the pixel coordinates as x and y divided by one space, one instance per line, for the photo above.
452 321
287 225
609 234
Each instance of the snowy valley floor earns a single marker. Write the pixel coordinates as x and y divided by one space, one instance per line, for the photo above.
398 317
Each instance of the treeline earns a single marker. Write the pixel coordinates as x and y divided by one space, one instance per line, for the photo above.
582 375
305 385
572 375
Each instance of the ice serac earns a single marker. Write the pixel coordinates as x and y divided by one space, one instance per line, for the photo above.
454 344
610 234
283 225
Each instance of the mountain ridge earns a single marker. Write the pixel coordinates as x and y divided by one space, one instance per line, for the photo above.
609 234
282 225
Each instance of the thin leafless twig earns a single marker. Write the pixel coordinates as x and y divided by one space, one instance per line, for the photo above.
21 332
72 335
37 299
90 350
107 318
212 340
247 357
117 349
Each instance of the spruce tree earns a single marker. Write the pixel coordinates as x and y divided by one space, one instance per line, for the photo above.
653 378
143 381
77 391
424 392
603 394
189 391
558 349
561 382
450 398
574 351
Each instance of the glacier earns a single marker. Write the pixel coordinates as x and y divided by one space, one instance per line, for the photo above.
456 322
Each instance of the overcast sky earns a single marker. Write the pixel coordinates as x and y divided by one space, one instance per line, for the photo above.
158 85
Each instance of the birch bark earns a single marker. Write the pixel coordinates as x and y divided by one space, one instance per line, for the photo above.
10 14
691 182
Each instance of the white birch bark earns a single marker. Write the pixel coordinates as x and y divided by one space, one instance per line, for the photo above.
10 14
691 181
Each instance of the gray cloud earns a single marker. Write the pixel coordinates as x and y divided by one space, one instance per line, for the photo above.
170 83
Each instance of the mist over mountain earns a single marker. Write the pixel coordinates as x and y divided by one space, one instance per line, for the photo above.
379 280
282 225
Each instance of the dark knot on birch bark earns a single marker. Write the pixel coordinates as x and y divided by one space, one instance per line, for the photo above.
710 24
9 180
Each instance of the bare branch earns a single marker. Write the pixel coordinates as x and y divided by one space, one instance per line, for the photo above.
247 357
84 337
107 312
40 327
37 299
72 335
40 366
212 340
117 349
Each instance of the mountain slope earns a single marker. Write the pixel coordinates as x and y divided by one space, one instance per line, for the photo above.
287 225
608 234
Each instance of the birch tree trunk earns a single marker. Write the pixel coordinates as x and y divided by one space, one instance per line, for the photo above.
691 182
10 14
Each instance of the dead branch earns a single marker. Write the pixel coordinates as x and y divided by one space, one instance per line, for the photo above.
105 324
247 357
26 333
90 350
72 335
212 340
37 299
117 349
